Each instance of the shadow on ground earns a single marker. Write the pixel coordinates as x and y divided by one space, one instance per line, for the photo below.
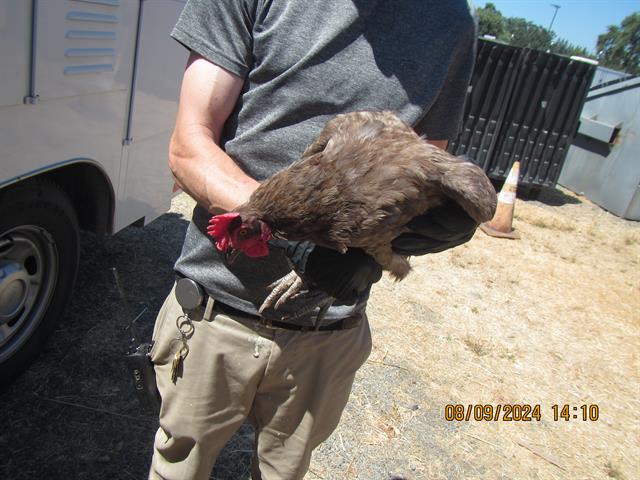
550 196
73 414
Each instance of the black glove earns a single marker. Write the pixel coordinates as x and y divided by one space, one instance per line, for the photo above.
343 276
438 229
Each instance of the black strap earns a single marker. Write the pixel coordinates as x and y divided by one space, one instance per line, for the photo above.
220 307
345 323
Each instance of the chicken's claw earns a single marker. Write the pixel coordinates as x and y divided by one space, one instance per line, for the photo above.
289 287
282 290
323 303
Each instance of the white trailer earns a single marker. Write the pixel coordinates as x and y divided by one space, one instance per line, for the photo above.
88 97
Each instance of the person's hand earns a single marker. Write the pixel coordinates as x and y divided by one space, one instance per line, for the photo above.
438 229
342 276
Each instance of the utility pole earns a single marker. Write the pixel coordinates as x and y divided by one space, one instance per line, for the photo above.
557 7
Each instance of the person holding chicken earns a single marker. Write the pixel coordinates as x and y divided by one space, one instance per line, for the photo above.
262 80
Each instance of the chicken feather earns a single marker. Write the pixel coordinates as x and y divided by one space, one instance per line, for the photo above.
359 184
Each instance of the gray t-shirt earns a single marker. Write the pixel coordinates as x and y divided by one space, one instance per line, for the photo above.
305 62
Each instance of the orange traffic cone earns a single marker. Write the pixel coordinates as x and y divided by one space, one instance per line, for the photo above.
500 224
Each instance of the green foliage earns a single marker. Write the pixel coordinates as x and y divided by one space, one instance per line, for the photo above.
512 30
619 47
563 47
520 32
491 21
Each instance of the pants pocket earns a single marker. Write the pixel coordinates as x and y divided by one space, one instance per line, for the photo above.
162 330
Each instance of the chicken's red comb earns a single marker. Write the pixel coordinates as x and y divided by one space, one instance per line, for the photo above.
219 227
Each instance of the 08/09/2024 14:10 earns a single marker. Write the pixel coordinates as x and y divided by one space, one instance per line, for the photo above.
519 412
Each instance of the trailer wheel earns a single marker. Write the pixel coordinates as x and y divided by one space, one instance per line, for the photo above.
39 249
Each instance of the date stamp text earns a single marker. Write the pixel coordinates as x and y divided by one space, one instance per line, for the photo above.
518 412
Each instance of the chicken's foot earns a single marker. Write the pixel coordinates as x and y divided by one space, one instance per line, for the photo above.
324 303
282 290
289 287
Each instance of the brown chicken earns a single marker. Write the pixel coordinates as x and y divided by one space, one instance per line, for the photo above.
358 185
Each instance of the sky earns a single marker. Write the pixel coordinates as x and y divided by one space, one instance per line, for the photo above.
579 21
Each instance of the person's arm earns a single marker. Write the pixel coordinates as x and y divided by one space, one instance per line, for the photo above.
441 144
201 168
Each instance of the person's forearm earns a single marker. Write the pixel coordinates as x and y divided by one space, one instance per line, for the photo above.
203 170
441 144
207 97
206 172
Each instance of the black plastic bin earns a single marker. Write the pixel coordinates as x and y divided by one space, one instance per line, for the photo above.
522 105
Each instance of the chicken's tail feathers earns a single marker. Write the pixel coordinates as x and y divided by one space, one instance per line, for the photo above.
469 187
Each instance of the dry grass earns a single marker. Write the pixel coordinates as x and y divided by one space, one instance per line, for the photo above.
550 319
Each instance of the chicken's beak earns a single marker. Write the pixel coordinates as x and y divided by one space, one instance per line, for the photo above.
231 254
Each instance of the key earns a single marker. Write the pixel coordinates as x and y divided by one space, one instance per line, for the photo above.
186 329
177 360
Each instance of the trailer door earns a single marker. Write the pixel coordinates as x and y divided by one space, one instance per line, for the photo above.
15 28
159 65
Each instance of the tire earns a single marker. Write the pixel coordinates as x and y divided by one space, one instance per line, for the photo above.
39 253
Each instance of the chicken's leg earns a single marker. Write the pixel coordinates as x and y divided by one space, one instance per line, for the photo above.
324 302
397 265
282 290
288 287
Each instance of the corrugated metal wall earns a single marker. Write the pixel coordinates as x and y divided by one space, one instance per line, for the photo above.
605 75
606 167
522 105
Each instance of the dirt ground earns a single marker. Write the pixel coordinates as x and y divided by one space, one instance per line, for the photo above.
551 319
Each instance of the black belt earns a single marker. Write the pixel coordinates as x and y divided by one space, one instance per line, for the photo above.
197 298
345 323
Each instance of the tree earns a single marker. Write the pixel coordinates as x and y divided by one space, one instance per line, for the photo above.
520 32
512 30
564 47
490 21
619 47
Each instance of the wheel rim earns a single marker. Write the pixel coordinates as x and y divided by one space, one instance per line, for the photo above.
28 272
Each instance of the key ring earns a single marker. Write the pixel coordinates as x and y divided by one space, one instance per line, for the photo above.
185 326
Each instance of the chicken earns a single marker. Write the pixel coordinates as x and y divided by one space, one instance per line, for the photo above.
358 185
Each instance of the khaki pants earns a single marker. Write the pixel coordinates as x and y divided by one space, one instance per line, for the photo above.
293 386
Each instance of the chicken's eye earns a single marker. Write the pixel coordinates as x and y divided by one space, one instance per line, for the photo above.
243 232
